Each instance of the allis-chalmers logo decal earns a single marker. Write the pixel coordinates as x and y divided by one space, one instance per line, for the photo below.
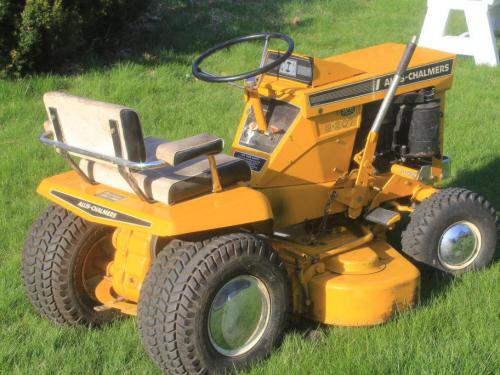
419 74
99 211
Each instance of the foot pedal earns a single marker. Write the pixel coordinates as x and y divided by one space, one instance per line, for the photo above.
383 217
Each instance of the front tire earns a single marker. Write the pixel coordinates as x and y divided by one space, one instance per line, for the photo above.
455 230
213 307
64 258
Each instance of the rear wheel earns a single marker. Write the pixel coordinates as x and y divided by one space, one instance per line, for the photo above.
213 307
455 230
64 258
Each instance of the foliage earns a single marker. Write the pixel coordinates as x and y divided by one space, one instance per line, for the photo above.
42 35
9 16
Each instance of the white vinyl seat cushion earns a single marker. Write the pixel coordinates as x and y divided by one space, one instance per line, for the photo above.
171 185
86 124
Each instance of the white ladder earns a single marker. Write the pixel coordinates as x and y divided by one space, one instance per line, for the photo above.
482 17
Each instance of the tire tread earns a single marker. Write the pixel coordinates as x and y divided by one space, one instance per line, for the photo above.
171 292
423 218
45 272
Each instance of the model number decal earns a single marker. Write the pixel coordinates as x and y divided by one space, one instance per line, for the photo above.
99 211
254 162
419 74
342 123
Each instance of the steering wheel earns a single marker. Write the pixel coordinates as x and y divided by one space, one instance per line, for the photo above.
198 73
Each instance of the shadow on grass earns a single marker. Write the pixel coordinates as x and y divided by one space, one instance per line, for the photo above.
172 31
485 180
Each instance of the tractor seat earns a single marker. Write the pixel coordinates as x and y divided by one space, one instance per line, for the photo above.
171 184
115 131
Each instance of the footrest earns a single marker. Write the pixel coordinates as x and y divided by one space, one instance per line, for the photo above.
177 152
383 217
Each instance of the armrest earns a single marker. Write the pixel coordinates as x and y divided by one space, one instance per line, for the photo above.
177 152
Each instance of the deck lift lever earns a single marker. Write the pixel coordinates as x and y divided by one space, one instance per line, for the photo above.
365 165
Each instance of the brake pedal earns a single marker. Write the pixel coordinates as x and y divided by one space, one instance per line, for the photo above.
383 217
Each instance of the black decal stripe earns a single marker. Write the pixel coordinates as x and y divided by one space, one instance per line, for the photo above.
99 211
418 74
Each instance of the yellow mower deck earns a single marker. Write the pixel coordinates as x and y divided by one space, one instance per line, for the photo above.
351 277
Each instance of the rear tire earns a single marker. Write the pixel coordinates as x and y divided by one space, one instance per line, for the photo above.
455 230
194 297
55 266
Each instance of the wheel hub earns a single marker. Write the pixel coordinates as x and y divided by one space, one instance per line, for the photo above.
239 315
459 245
95 265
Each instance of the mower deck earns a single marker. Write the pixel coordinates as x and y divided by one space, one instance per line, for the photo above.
349 276
364 286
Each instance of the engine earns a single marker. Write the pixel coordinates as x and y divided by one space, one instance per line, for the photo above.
410 134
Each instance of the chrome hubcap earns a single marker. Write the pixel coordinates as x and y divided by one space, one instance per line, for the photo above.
239 315
459 245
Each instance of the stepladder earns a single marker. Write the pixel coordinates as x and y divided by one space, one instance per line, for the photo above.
482 18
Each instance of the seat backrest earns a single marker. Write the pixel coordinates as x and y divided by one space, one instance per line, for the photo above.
102 128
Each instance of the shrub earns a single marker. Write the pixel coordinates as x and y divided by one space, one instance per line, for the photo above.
41 35
9 14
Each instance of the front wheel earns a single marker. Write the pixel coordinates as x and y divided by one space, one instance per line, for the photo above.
215 306
455 230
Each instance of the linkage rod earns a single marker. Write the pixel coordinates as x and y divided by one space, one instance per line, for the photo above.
400 71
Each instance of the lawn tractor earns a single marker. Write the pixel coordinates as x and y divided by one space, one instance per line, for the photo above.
217 253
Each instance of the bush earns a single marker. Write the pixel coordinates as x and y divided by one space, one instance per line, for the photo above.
9 15
41 35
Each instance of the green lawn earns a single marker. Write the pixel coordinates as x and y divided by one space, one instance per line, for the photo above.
457 327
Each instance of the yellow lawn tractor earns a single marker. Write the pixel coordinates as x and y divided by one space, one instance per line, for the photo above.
214 252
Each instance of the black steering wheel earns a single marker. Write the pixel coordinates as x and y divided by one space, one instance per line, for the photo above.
198 73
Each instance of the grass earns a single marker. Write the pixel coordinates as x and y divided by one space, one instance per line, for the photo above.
457 327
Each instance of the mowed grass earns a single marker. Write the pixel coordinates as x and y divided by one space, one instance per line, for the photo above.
457 327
